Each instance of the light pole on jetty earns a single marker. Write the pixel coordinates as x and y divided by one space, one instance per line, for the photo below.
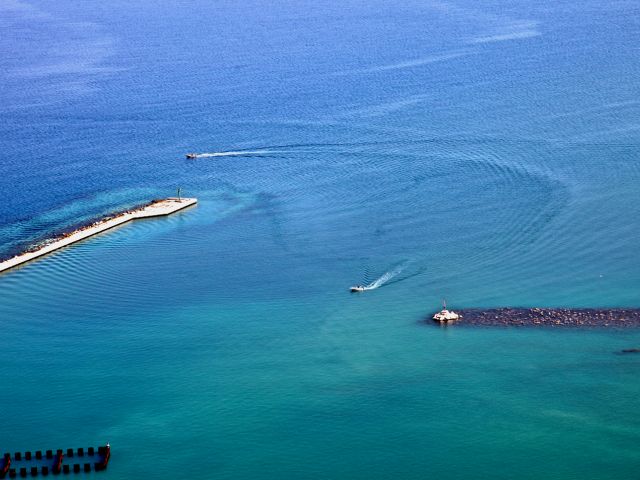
179 191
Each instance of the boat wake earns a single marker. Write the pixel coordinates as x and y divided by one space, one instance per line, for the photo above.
384 278
236 153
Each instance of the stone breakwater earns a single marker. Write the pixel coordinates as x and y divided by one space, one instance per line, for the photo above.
156 208
551 317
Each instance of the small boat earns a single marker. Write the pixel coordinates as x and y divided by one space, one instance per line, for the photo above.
57 467
192 155
7 465
106 452
444 315
357 288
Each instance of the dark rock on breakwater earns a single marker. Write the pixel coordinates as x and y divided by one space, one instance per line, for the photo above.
551 317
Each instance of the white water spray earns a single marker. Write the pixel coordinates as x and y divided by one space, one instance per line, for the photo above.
237 153
384 278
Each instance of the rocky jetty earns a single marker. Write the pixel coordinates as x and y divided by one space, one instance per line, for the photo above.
156 208
552 317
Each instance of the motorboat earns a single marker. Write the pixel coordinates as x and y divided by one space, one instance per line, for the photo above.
357 288
192 155
444 315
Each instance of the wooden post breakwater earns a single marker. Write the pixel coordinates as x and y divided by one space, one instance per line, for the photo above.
40 463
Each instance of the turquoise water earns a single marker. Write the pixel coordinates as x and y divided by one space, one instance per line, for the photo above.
485 153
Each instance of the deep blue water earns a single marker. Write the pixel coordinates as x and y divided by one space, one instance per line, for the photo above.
483 152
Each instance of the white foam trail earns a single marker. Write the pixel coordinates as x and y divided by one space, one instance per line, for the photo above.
506 36
237 153
384 278
416 62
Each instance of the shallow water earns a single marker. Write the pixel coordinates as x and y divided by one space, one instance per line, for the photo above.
486 153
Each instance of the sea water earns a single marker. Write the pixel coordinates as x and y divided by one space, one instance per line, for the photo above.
480 152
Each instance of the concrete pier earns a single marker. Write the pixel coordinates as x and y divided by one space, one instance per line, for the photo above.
157 208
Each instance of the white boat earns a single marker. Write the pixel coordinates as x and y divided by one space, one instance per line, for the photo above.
444 315
357 288
192 155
